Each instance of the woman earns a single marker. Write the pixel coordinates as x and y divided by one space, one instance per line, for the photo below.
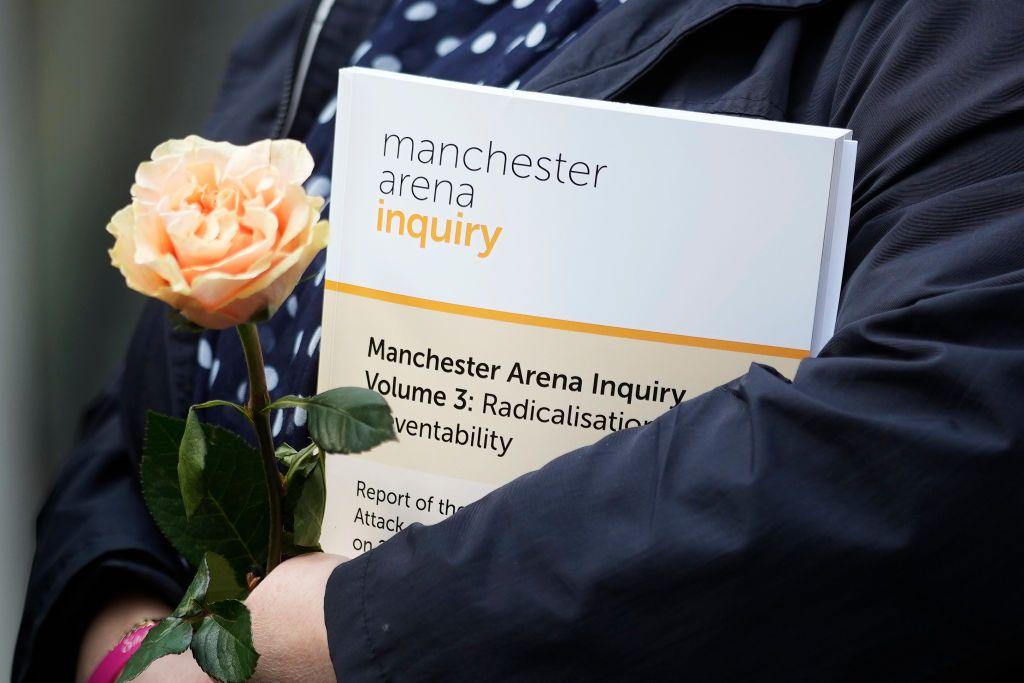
856 523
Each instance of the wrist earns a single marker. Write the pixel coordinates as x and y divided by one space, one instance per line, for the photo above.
288 625
109 668
110 625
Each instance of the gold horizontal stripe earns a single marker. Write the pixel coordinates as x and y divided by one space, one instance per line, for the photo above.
556 324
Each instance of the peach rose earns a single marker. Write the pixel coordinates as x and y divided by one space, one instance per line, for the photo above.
220 232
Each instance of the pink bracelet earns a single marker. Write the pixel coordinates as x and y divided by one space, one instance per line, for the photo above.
110 667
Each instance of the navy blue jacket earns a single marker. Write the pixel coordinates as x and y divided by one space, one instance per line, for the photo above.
859 523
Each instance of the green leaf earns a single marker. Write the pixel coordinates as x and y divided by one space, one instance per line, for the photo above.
297 462
231 520
307 497
214 581
284 452
193 601
345 420
222 645
217 403
211 596
290 457
224 584
191 462
171 636
291 549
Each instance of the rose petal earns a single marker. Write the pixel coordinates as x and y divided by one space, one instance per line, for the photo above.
201 240
317 241
214 289
191 144
222 319
152 178
290 158
151 240
297 211
122 254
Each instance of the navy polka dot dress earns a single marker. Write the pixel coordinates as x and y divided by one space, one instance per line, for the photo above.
488 42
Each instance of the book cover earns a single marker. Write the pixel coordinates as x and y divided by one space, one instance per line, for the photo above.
523 274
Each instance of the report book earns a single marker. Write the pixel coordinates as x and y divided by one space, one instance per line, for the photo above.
523 274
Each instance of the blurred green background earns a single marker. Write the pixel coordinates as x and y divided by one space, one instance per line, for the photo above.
87 89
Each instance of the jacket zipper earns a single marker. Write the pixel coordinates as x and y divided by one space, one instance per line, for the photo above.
292 83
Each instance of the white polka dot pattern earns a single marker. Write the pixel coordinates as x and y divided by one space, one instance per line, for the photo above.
483 42
328 112
361 50
536 34
421 11
314 342
447 45
386 63
204 354
319 185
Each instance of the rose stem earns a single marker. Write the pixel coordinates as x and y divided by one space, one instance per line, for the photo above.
259 398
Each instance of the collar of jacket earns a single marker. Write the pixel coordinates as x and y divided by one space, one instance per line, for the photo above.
626 43
333 30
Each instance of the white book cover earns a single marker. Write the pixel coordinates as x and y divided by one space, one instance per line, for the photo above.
522 274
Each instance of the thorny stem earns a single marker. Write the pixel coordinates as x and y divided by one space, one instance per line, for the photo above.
259 399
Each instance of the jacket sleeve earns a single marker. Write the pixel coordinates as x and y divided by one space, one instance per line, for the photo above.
94 536
859 523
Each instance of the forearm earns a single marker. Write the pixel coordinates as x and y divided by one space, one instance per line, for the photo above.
287 610
756 533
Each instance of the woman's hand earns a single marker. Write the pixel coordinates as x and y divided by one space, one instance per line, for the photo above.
288 627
